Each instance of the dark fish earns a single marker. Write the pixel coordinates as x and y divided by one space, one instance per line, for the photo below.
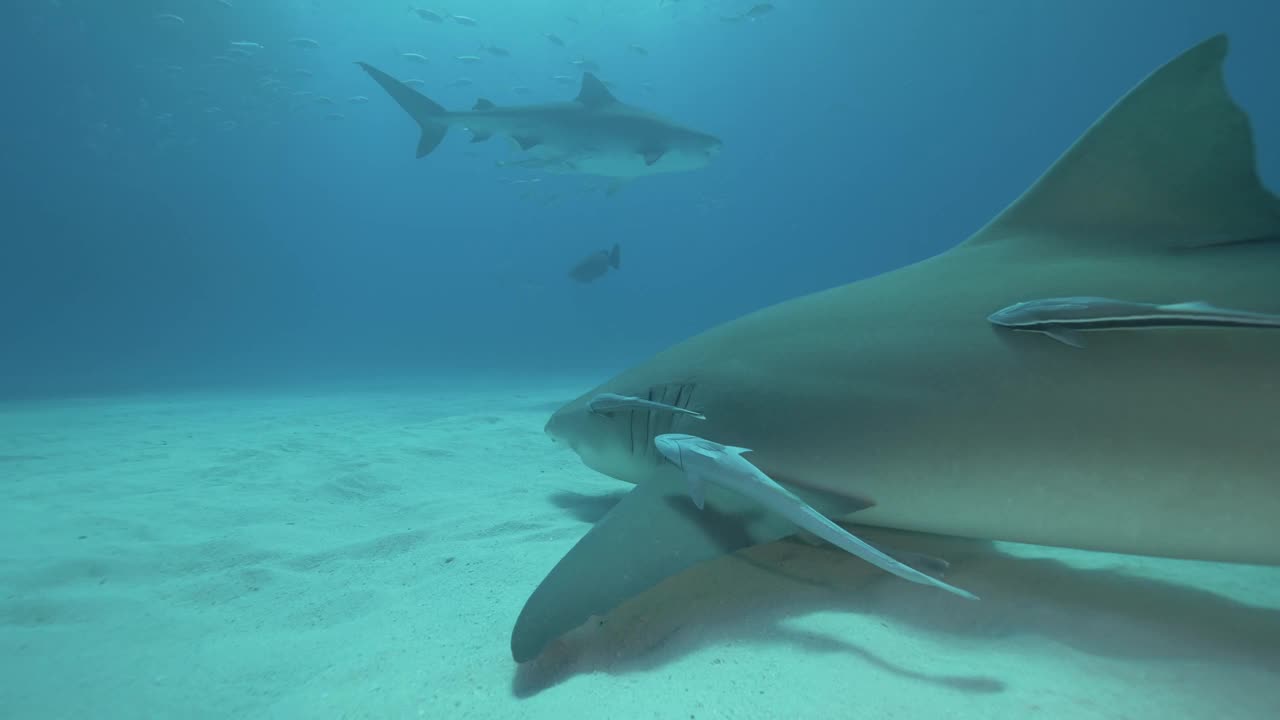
756 12
595 265
425 14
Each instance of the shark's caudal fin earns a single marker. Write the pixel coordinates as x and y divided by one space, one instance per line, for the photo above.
615 256
1170 165
430 116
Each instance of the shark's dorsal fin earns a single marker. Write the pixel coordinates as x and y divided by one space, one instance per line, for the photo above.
483 104
593 93
1171 165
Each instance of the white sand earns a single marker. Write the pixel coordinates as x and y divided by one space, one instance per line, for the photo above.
352 553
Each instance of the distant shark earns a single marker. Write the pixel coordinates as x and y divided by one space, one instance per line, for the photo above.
897 398
594 134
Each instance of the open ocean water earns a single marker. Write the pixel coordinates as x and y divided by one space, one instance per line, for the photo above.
289 290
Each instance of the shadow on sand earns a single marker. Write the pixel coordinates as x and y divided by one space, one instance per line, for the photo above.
757 595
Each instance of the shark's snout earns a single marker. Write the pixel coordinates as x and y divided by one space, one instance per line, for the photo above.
564 428
551 428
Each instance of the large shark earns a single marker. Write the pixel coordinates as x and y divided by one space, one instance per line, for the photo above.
898 394
594 134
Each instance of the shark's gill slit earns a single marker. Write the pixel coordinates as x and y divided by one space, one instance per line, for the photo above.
632 429
647 438
684 398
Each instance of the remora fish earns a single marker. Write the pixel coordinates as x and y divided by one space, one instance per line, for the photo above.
594 134
705 461
595 265
1065 319
895 389
606 403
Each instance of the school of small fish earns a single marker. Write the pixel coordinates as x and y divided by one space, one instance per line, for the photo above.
254 83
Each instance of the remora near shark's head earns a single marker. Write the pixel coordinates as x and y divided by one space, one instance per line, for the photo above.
595 134
897 388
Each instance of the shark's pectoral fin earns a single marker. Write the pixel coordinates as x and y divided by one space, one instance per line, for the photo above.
525 141
477 136
653 156
652 534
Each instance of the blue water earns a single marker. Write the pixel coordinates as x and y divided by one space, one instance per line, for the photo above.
148 244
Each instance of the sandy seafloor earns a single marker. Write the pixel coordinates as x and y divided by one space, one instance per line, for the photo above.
362 552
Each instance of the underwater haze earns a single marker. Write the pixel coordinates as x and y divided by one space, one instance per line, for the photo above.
178 214
277 375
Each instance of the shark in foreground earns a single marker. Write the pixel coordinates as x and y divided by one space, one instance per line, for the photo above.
594 134
898 395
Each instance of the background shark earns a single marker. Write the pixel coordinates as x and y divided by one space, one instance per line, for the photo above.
896 390
594 134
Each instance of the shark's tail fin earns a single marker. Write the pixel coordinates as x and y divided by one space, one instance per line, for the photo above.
615 256
430 116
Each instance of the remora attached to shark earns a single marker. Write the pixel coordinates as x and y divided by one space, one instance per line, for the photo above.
594 134
898 390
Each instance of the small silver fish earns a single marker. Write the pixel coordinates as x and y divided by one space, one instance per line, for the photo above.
1065 319
606 403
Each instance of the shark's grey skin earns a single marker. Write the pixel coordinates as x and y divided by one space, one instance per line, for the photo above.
594 134
897 388
607 403
1066 319
706 461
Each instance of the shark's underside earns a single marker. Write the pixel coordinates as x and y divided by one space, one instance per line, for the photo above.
898 390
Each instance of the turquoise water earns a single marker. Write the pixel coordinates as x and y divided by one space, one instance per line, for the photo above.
274 393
